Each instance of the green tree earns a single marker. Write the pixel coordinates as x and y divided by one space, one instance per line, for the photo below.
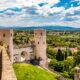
77 58
68 63
56 65
65 55
51 53
53 63
60 55
69 52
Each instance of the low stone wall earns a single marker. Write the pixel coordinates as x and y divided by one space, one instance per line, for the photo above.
7 69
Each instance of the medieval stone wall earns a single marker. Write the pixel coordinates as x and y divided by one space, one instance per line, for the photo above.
7 69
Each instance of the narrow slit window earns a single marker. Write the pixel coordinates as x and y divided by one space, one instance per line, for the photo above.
4 35
11 34
38 42
41 34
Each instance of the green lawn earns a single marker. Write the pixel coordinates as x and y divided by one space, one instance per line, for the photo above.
30 72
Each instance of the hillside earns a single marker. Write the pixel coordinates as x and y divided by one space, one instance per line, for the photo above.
58 28
30 72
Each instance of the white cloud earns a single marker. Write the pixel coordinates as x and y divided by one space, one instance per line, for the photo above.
72 10
35 21
42 15
19 3
6 5
56 9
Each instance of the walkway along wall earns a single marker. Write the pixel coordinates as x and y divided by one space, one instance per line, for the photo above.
6 35
7 69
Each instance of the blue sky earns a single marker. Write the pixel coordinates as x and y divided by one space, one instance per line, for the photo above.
39 13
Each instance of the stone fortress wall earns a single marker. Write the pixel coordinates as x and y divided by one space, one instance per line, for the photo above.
40 43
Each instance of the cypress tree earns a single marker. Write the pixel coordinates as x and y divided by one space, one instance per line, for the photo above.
66 55
60 55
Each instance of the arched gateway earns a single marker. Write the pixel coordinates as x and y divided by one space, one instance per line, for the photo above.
6 35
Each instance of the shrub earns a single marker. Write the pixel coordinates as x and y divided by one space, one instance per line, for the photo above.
51 53
77 58
57 66
68 63
59 55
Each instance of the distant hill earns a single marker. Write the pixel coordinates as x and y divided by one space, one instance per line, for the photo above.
60 28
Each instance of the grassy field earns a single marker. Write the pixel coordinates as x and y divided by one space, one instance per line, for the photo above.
30 72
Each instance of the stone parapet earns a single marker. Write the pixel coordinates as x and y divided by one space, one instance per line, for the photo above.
7 69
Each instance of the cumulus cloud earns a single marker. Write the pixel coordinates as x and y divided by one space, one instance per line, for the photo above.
38 12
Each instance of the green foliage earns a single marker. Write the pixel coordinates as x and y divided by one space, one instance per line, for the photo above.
65 55
77 58
68 75
30 72
65 67
65 74
51 53
53 63
59 55
22 37
69 52
71 73
62 39
68 64
79 65
57 66
64 61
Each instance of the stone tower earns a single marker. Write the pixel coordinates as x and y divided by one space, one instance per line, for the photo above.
6 35
40 43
